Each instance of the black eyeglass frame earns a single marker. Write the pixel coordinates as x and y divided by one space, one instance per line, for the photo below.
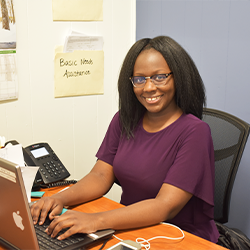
149 77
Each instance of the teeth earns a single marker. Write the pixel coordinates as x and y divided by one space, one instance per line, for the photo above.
153 98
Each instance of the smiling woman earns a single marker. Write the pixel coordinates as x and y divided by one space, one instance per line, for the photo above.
161 55
158 99
156 147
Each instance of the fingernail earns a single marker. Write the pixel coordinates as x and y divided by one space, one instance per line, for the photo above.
59 238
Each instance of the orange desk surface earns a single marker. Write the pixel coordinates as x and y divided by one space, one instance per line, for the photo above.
104 204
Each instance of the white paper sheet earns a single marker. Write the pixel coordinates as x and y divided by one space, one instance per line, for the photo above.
29 174
78 41
13 153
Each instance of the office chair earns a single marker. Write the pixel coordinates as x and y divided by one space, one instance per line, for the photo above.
229 135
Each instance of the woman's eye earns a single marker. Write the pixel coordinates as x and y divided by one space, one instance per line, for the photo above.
159 77
138 80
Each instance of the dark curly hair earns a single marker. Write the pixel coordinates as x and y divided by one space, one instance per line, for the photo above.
190 91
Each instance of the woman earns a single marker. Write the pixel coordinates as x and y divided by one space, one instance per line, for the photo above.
156 147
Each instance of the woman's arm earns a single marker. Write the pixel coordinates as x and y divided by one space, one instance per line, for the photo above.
168 203
92 186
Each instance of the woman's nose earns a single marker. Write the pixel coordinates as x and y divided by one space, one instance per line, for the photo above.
149 85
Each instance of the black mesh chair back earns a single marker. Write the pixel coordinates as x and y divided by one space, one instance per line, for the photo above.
229 135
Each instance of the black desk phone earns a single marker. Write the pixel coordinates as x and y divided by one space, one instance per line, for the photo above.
51 169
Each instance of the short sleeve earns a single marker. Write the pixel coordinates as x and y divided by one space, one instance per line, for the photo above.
110 143
193 168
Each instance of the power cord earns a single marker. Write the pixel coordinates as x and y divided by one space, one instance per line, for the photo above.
59 183
141 241
104 243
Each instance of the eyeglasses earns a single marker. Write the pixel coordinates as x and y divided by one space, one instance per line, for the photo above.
158 80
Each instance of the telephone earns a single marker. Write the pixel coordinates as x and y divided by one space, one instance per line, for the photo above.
51 169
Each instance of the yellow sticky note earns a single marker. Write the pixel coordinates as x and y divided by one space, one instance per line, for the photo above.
79 73
77 10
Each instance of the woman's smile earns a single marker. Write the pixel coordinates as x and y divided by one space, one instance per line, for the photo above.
152 100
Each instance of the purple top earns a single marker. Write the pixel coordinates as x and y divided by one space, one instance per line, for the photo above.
182 155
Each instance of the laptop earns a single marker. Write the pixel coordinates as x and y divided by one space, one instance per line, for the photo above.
17 229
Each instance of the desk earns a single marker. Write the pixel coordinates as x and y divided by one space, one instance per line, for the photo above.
104 204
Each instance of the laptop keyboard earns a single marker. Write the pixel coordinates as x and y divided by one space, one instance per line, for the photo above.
46 242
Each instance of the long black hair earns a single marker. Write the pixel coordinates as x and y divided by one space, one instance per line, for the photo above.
190 91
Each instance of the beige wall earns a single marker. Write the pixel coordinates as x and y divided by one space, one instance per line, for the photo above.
73 126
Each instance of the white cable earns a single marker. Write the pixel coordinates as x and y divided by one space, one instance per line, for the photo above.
117 238
178 238
141 241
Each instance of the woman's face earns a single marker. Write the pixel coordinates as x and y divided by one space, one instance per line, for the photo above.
156 99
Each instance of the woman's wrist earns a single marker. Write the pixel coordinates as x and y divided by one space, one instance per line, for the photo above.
101 223
61 198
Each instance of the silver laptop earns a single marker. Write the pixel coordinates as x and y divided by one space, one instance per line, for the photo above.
17 229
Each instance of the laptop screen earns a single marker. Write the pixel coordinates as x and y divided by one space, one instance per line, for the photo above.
16 223
17 228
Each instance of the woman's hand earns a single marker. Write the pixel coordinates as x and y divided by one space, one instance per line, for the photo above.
43 207
77 222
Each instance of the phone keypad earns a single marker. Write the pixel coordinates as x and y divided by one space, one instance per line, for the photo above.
52 169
